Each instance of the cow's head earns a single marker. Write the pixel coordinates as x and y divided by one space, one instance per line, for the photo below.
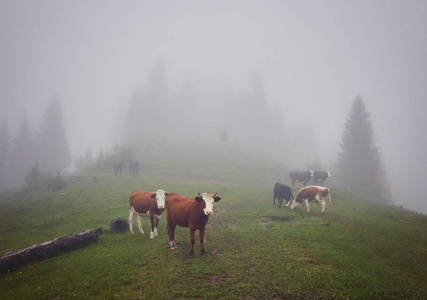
311 173
209 200
329 174
160 196
293 204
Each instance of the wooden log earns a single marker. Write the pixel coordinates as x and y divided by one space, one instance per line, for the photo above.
14 259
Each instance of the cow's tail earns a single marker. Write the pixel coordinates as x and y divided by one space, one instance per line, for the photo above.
330 202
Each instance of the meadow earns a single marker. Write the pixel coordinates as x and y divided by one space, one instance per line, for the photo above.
357 250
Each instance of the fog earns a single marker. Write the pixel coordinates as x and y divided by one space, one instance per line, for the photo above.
313 58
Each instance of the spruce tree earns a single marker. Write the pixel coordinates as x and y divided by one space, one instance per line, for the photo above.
52 146
22 154
4 152
360 165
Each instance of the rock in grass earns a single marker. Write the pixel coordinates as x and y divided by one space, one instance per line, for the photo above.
119 224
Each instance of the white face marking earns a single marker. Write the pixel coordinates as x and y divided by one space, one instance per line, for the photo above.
329 174
160 198
295 204
209 201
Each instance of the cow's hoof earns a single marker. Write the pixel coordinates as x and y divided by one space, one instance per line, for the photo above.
191 254
151 236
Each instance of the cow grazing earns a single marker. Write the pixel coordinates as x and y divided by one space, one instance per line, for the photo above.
118 168
133 168
304 177
189 212
146 203
281 192
316 194
320 176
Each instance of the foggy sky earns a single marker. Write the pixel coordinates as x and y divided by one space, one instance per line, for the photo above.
315 58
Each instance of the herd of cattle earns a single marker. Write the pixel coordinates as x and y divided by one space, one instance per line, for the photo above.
194 212
133 168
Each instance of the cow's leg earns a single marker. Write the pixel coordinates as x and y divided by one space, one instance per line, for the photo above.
138 220
156 221
193 240
274 200
202 240
152 226
323 202
306 203
171 233
280 201
131 211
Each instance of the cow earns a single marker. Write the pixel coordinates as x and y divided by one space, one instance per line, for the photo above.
316 194
189 212
304 177
320 176
133 168
118 168
146 203
281 192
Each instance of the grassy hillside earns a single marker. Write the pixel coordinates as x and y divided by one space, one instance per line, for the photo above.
357 250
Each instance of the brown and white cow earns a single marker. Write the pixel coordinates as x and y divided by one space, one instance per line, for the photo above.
146 204
189 212
316 194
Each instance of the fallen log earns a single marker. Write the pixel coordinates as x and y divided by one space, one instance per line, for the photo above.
14 259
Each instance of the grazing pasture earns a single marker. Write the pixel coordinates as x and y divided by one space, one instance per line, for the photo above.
254 250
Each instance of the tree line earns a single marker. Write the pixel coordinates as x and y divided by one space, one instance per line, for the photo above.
28 154
156 117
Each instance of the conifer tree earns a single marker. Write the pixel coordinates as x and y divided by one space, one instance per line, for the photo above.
360 165
22 154
4 152
52 146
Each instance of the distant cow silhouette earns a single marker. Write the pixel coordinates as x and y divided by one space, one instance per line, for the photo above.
133 168
118 168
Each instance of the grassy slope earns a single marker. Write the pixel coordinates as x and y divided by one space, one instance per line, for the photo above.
255 250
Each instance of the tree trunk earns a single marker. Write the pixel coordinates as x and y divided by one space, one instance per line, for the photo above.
15 259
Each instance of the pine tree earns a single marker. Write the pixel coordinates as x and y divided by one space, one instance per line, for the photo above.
4 152
22 155
360 165
52 146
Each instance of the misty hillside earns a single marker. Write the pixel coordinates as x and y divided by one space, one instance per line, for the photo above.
211 161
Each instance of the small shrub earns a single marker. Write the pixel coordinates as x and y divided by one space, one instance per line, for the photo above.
58 181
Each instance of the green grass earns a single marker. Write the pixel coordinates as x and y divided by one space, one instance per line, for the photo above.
357 250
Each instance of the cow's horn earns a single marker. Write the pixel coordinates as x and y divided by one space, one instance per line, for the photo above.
214 194
199 194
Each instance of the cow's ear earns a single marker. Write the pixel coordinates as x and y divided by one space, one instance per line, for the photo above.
216 199
153 195
198 199
166 194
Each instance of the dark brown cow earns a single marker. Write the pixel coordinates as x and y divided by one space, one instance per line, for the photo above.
189 212
146 203
304 177
118 168
133 168
316 194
